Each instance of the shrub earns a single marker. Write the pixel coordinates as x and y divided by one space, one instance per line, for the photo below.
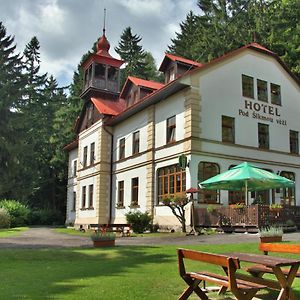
18 212
139 221
46 217
4 218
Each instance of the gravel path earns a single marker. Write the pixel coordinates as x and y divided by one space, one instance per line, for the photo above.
44 237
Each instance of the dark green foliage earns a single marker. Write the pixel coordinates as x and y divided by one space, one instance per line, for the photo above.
18 212
139 221
46 217
224 25
4 218
138 62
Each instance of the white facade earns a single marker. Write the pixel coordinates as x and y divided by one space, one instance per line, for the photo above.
210 93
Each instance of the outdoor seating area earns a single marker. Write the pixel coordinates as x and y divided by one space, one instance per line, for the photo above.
242 286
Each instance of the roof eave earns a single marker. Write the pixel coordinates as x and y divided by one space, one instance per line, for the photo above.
154 98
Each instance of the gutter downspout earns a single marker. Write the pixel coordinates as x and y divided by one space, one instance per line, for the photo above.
111 174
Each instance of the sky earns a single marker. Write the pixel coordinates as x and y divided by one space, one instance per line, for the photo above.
67 29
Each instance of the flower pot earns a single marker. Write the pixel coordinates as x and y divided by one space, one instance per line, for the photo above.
270 239
104 243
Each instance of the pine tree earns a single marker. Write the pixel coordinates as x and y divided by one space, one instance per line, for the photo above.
11 86
132 53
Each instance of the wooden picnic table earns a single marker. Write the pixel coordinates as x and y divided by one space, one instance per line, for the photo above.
283 283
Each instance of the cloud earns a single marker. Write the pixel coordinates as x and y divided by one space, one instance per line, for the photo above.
67 29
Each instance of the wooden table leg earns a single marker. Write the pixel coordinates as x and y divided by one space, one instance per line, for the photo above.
286 292
192 287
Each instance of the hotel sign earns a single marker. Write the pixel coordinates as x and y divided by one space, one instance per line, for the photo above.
263 112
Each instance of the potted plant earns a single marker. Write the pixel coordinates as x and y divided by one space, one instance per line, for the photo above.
103 239
270 234
275 207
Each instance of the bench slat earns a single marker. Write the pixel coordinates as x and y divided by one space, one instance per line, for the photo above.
223 280
264 269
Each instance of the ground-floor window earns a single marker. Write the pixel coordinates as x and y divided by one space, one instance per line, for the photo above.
120 202
74 202
207 170
288 194
135 191
171 182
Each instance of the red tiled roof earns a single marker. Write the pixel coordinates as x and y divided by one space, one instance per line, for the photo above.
109 107
71 145
146 83
139 82
184 60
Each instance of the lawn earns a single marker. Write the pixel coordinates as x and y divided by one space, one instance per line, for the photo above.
4 233
121 272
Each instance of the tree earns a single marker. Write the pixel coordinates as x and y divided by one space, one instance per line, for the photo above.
11 88
224 25
177 205
133 54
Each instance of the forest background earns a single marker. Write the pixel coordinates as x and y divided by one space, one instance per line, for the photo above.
37 116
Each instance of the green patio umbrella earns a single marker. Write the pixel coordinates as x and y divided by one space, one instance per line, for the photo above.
246 177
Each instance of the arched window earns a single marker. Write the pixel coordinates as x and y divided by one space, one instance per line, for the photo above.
171 182
207 170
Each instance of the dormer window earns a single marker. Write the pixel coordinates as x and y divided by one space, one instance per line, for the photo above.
170 76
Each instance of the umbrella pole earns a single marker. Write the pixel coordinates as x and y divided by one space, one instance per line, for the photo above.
246 192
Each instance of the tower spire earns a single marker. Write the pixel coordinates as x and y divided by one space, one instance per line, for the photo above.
104 20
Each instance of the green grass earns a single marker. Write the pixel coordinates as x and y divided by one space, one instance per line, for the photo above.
121 272
12 232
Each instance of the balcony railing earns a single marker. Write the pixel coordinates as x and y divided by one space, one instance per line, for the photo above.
102 84
252 216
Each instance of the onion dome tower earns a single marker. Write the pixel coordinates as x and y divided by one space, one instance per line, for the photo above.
101 72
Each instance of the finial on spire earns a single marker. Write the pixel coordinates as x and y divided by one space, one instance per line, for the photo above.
104 19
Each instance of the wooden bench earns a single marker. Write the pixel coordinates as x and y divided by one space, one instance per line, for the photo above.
259 270
242 289
123 229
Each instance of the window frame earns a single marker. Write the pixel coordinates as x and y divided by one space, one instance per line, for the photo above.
136 142
120 202
294 142
134 192
122 148
275 98
91 196
92 153
75 168
85 153
230 128
83 197
247 87
265 93
171 130
206 196
74 201
263 134
166 178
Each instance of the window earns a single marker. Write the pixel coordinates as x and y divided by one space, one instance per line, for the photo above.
170 74
90 110
75 168
263 136
205 171
112 73
134 191
262 90
85 149
91 195
288 194
122 148
247 86
74 202
83 196
171 129
120 194
228 134
92 154
136 142
294 143
275 94
171 182
99 71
